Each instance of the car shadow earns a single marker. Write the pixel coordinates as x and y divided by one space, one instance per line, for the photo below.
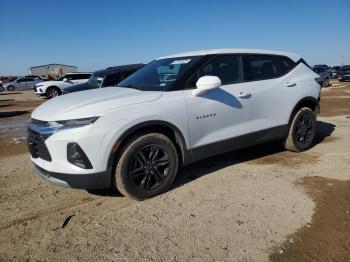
12 113
209 165
222 96
12 93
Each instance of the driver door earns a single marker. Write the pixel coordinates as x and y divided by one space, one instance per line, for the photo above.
219 118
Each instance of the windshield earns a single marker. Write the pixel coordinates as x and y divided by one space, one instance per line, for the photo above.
95 81
160 74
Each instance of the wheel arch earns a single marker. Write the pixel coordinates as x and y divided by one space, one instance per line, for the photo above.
309 101
55 87
157 126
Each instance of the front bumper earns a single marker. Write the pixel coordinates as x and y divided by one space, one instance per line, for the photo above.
38 90
84 181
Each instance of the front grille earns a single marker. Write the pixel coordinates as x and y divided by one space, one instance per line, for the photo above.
37 147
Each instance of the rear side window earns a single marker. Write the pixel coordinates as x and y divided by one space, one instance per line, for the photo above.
260 67
80 76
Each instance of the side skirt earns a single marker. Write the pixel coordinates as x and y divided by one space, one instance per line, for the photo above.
224 146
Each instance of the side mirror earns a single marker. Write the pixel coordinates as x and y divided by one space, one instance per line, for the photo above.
65 80
206 83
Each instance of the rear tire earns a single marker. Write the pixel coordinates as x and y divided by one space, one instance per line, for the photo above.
52 92
147 166
301 131
11 88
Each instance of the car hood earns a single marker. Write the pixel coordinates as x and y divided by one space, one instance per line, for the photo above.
91 103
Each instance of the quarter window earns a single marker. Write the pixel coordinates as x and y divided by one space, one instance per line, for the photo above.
260 67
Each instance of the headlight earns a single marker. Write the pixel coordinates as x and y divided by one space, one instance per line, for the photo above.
48 128
73 122
37 85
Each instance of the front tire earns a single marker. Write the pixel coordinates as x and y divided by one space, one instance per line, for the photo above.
301 131
147 166
11 88
53 92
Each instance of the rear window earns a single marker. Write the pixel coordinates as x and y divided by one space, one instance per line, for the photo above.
261 67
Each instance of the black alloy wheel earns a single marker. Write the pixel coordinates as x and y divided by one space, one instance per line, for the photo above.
149 167
304 130
146 166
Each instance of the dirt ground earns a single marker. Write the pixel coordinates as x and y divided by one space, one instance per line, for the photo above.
257 204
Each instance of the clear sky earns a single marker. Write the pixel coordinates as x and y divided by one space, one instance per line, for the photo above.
96 34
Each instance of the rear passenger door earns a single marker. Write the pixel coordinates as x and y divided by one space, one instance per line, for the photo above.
274 91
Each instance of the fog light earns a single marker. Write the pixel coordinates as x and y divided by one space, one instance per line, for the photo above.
76 156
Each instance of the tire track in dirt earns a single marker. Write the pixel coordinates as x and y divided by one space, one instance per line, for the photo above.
47 211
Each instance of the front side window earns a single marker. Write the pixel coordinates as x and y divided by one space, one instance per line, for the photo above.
68 77
227 67
95 81
261 67
159 75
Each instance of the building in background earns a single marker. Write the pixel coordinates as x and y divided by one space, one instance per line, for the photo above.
52 71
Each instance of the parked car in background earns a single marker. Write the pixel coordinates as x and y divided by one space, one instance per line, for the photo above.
2 88
55 88
324 73
36 77
107 77
323 66
344 75
22 83
174 111
334 72
338 70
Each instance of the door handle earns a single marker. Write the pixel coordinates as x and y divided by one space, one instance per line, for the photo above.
244 95
290 84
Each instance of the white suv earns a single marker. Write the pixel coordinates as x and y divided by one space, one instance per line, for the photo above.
174 111
55 88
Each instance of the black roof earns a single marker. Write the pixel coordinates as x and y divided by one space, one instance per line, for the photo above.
117 69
